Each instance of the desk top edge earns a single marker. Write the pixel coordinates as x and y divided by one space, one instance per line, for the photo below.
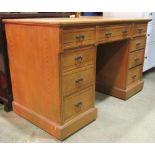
72 21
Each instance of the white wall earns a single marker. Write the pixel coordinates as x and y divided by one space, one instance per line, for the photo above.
149 61
123 14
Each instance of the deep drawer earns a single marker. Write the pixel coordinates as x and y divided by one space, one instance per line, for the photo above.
77 103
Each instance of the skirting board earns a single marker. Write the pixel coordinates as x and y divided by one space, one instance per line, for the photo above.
59 131
120 93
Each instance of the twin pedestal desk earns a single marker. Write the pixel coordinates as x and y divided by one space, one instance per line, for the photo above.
56 65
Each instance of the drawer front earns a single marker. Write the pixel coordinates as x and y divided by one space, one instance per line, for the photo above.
139 29
136 58
137 43
78 58
134 75
77 103
77 80
109 33
78 37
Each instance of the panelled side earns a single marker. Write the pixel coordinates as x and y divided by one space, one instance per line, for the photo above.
34 64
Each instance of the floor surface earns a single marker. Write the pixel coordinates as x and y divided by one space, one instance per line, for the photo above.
118 121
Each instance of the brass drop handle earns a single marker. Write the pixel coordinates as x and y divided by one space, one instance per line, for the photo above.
108 33
78 106
140 30
137 59
79 81
78 59
125 32
134 76
80 37
77 37
137 44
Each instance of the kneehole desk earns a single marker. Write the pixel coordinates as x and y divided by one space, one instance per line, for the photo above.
56 65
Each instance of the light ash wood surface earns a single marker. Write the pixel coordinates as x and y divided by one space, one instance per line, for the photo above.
70 21
51 95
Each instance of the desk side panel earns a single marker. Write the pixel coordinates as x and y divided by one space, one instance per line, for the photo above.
34 64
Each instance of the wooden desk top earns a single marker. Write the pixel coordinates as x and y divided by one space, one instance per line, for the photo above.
72 21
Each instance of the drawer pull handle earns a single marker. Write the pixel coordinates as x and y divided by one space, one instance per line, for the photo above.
108 33
134 76
79 81
78 106
80 37
77 37
78 60
125 32
138 44
140 30
137 59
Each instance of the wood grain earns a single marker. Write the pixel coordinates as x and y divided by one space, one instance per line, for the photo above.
134 74
136 58
113 32
78 79
76 21
139 29
137 43
34 63
112 60
46 61
74 59
78 103
78 37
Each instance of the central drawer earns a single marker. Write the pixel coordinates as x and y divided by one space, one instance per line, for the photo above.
77 103
78 79
136 58
110 33
134 74
78 37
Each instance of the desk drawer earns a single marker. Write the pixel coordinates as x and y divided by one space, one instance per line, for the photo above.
109 33
136 58
137 43
78 58
139 29
134 74
78 79
78 37
77 103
